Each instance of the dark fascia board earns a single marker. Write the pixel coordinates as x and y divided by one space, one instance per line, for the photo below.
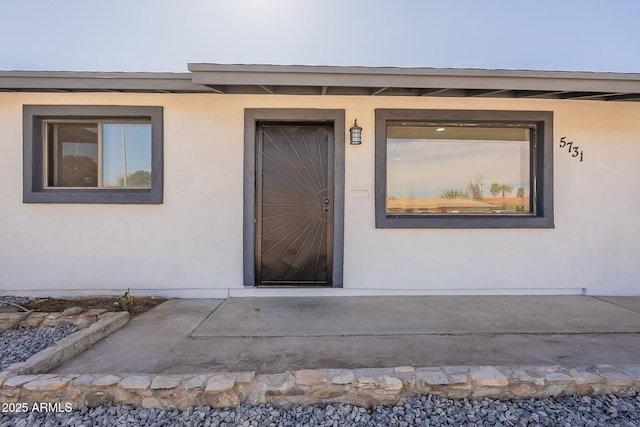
379 77
98 81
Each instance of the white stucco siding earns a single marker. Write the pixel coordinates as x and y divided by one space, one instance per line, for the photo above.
597 200
191 245
192 242
594 246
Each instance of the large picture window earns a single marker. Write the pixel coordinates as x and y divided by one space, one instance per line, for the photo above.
463 169
93 154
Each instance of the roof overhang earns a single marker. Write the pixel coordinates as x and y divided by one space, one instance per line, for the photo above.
86 81
386 81
328 80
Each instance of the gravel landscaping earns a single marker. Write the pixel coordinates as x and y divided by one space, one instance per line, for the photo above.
417 411
16 299
20 343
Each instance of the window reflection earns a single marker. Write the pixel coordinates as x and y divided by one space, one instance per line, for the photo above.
116 155
126 155
458 170
76 156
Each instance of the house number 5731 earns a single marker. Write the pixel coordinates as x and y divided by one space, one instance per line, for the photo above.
573 150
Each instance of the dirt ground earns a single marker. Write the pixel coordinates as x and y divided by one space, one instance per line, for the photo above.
110 303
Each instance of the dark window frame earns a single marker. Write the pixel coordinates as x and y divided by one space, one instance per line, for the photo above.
541 152
34 189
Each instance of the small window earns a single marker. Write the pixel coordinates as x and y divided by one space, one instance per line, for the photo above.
463 169
95 154
75 156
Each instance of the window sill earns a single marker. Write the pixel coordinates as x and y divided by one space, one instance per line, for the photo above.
476 221
95 196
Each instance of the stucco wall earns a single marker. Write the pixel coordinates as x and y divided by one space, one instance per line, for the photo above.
191 245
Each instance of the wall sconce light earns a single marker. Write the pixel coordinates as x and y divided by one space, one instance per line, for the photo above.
356 133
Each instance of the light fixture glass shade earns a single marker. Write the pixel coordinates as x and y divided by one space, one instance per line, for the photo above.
356 133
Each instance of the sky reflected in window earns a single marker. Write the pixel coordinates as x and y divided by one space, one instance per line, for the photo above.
126 155
489 166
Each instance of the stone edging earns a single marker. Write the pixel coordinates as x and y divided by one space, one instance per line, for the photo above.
361 387
71 316
91 332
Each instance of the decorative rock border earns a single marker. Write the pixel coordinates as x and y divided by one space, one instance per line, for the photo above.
93 325
361 387
71 316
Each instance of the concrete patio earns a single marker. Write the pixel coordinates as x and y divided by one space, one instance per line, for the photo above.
270 335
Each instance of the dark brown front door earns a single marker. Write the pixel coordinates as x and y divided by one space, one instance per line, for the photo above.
294 205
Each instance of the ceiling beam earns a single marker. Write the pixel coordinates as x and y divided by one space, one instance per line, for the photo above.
587 95
537 93
431 92
486 92
625 97
379 91
218 89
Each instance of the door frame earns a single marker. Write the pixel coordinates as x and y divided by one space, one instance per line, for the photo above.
252 119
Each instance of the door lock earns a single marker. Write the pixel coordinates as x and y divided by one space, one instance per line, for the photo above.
325 204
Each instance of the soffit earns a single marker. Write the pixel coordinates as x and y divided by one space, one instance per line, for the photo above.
388 81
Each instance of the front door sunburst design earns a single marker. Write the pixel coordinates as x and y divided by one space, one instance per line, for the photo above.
294 205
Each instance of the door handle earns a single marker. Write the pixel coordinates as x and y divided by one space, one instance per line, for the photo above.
325 204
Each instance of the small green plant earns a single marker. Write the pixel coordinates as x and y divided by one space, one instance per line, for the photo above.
126 300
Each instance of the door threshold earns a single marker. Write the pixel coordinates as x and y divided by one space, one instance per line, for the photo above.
293 286
283 292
